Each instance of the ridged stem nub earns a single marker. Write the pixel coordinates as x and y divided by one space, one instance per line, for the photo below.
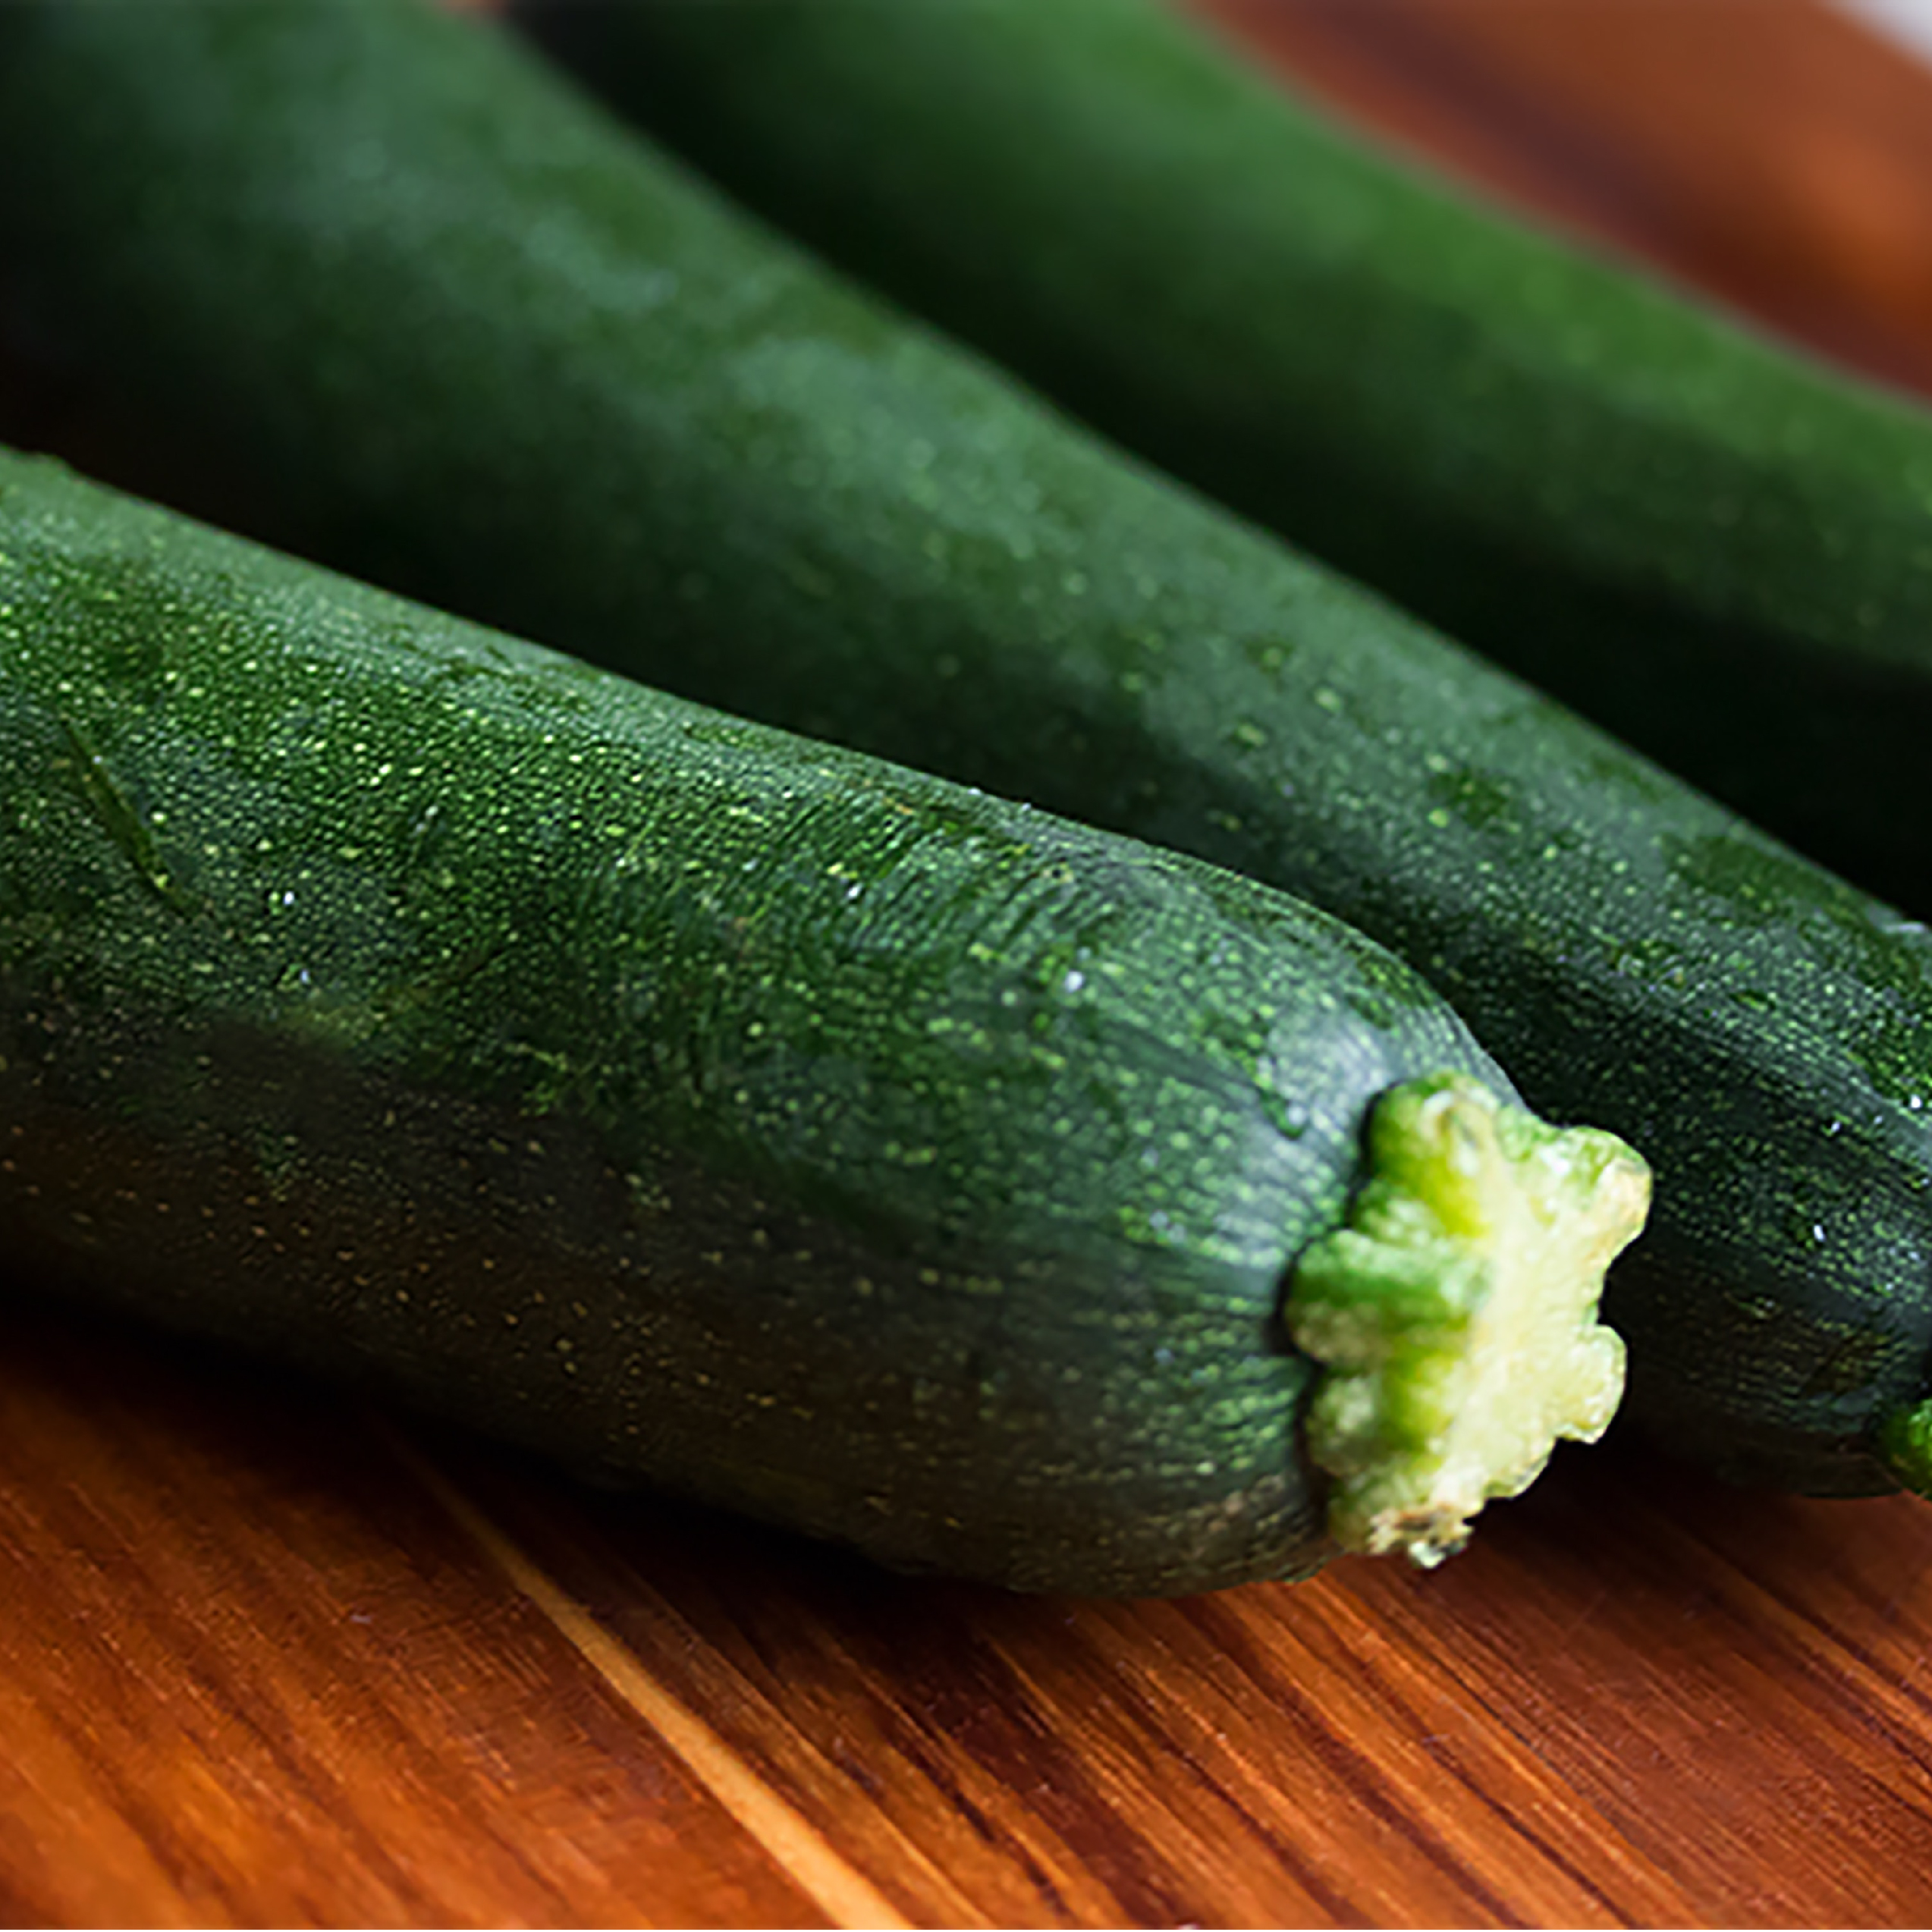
1454 1313
1904 1445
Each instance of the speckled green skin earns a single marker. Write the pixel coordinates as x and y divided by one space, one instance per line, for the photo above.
425 315
1719 551
687 1099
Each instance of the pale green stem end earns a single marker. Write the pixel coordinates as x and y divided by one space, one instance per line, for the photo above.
1456 1312
1905 1446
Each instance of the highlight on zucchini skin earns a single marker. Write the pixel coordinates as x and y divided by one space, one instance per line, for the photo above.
441 322
1710 543
715 1108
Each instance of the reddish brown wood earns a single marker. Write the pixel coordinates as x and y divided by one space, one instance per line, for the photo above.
251 1672
1709 1707
1776 153
1732 1684
263 1659
1098 1764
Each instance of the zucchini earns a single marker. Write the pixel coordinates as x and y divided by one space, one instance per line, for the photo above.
1718 550
420 309
705 1105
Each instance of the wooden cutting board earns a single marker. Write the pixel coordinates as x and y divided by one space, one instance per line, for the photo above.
268 1657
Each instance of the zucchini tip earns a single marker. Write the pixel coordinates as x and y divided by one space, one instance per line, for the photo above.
1904 1445
1454 1313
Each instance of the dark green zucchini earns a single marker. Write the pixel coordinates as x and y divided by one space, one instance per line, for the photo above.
707 1105
1706 542
416 307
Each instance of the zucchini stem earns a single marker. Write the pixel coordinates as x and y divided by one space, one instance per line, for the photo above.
1904 1445
1455 1312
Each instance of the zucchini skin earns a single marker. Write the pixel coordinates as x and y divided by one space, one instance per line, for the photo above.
1714 547
689 1100
424 313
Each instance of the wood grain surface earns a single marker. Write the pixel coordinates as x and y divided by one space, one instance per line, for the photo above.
266 1657
1776 153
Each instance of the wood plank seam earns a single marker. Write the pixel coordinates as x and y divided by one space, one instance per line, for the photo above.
846 1896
